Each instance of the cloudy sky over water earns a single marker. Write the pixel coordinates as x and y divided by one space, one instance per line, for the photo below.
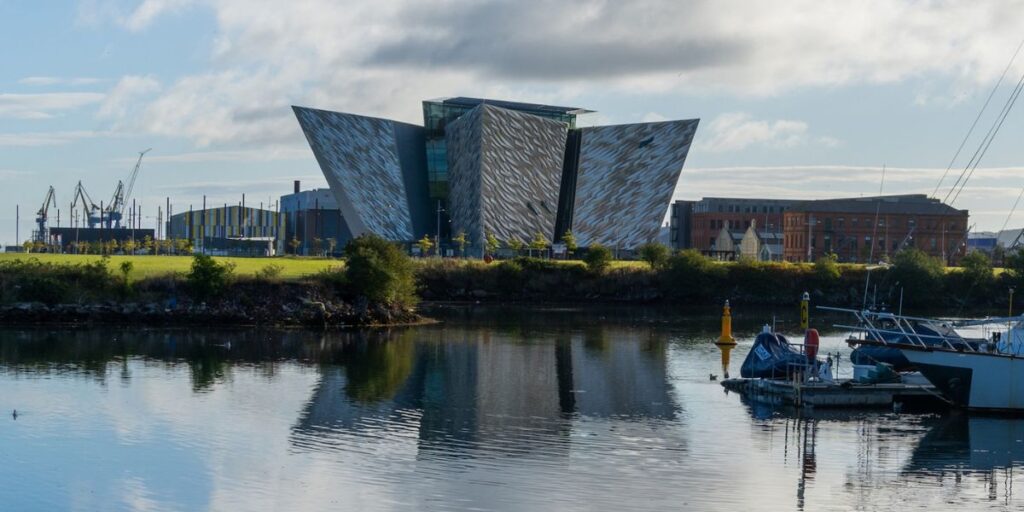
798 99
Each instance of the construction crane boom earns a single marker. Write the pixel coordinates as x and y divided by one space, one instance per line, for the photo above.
43 214
92 212
122 193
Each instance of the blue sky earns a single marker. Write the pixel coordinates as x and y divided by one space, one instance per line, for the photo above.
798 99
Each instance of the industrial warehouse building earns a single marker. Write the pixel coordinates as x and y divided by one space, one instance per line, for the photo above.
230 230
496 167
313 221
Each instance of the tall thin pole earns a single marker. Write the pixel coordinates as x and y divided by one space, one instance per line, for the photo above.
17 220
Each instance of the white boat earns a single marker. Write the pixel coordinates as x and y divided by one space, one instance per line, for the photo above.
979 373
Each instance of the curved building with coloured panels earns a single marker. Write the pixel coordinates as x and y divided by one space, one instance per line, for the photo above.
510 169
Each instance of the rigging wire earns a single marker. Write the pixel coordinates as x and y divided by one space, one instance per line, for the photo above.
986 143
976 119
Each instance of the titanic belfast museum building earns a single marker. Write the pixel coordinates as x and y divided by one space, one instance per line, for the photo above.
512 169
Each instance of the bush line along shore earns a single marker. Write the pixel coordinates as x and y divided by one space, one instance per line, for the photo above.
378 284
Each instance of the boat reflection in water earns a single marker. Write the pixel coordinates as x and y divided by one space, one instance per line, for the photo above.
968 446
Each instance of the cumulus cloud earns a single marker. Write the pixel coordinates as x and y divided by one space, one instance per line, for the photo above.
44 106
382 58
737 130
150 10
122 98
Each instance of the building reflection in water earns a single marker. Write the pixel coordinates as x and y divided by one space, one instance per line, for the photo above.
474 387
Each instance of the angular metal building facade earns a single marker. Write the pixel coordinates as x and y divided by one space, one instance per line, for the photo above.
625 179
504 169
511 169
376 169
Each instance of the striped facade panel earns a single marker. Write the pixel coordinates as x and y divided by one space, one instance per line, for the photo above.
625 181
362 159
504 170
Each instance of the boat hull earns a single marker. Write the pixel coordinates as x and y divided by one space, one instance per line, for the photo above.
973 380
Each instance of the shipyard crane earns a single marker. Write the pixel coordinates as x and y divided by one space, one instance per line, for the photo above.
43 214
122 193
93 215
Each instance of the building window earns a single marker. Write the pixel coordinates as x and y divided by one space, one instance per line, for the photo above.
934 244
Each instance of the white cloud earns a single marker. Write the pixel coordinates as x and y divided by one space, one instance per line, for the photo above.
263 154
43 106
44 138
149 10
123 97
54 80
735 131
381 59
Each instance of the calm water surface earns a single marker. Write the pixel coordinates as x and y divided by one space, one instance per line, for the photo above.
498 409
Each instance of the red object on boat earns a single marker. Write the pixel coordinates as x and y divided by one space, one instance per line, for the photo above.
811 343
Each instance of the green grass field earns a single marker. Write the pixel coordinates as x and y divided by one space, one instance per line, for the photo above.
153 266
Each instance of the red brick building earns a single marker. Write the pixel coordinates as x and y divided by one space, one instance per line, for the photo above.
705 219
871 228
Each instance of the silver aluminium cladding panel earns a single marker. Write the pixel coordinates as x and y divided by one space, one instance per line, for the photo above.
504 169
626 177
360 157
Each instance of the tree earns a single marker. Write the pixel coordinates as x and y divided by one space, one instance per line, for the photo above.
598 258
147 243
539 242
424 244
332 243
380 271
317 246
655 254
515 244
976 271
569 240
918 274
129 246
294 243
491 243
28 245
461 241
126 268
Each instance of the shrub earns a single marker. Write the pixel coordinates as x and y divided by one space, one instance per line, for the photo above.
918 274
826 269
655 254
975 280
598 258
380 271
689 274
271 272
208 279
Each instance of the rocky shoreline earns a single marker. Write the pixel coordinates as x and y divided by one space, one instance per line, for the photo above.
300 313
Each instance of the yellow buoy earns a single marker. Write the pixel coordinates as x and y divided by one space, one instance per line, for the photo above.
805 314
726 348
726 337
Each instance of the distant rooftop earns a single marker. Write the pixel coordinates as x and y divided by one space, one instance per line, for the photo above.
912 204
511 105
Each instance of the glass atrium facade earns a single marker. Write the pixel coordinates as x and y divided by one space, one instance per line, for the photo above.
438 113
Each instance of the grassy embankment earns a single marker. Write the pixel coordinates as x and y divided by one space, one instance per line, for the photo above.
158 266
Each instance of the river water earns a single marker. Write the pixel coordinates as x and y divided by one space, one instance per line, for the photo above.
492 409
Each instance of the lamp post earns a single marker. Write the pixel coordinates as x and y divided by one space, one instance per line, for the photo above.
437 240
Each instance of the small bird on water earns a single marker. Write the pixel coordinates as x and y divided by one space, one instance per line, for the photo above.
15 414
712 376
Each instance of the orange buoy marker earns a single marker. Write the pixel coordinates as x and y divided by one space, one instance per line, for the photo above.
811 344
726 337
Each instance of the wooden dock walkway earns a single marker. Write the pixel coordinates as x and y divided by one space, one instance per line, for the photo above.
844 393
